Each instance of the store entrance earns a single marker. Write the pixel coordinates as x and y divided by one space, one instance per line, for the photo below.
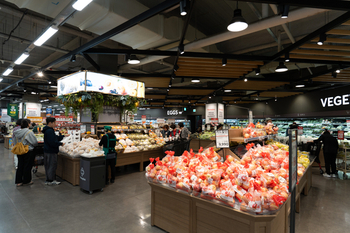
196 122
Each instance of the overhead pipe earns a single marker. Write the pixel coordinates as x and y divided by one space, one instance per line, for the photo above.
254 27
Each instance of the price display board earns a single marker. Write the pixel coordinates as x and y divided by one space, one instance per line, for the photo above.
340 135
293 159
222 139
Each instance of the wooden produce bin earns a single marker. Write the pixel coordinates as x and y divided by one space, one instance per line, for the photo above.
178 212
138 157
194 144
68 168
205 143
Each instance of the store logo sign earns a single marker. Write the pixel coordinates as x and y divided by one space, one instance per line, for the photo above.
82 173
335 101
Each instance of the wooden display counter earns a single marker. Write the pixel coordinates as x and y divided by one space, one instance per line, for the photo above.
138 157
175 211
7 142
194 144
68 168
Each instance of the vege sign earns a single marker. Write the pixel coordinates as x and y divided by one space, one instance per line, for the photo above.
335 101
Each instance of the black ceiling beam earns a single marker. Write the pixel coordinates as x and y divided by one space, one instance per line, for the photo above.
121 28
91 61
203 55
322 4
336 22
60 72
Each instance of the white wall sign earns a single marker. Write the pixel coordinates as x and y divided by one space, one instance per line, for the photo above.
221 113
335 101
211 111
33 110
172 112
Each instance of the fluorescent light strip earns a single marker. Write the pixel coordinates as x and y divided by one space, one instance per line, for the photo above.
1 79
22 58
47 35
81 4
8 71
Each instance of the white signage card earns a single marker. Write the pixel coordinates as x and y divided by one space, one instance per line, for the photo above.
160 121
222 139
203 127
250 116
211 111
33 110
172 112
221 113
83 129
171 121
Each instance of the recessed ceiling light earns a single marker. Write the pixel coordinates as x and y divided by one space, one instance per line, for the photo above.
227 90
195 80
300 85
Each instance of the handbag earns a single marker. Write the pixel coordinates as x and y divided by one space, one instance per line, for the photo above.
19 148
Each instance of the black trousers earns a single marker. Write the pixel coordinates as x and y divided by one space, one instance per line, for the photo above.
24 169
110 163
329 160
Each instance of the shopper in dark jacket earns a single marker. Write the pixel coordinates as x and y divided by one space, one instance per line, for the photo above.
330 151
165 132
51 145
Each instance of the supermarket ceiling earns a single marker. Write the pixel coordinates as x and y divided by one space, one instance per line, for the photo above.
235 67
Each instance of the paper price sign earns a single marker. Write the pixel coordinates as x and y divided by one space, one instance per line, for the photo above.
222 139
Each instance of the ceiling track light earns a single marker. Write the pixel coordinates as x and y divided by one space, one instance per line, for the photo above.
237 23
7 71
73 58
21 59
300 85
245 80
337 71
224 61
79 5
284 10
46 35
183 5
281 68
323 38
173 76
257 71
227 90
176 67
195 80
182 80
133 60
181 48
286 57
41 74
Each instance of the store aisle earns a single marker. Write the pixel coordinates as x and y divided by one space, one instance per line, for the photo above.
125 205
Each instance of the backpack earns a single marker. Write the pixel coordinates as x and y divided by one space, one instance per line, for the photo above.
19 148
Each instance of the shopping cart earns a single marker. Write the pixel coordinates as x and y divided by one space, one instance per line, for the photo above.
39 157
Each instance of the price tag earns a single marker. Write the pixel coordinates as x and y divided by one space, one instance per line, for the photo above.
222 139
203 127
208 127
92 129
300 130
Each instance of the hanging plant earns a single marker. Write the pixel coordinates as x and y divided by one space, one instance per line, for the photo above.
96 102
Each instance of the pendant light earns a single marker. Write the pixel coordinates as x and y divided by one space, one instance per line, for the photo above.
133 60
281 67
237 23
195 80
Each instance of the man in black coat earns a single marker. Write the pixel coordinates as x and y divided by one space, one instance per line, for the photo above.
330 151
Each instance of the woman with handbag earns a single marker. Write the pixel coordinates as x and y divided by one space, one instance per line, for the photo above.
24 145
108 141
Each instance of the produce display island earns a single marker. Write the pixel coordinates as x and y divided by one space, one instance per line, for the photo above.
176 211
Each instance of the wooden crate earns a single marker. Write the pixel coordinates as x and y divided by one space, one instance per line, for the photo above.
7 142
68 168
174 211
206 143
138 157
233 133
194 144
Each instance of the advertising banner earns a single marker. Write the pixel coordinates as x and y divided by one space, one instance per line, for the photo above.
32 110
102 83
48 112
12 110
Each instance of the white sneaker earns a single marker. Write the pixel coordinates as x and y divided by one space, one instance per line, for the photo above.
326 175
48 183
55 182
334 176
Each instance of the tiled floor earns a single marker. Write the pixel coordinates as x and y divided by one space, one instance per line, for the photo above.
126 205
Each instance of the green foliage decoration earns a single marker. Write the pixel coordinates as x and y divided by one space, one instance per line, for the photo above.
96 102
